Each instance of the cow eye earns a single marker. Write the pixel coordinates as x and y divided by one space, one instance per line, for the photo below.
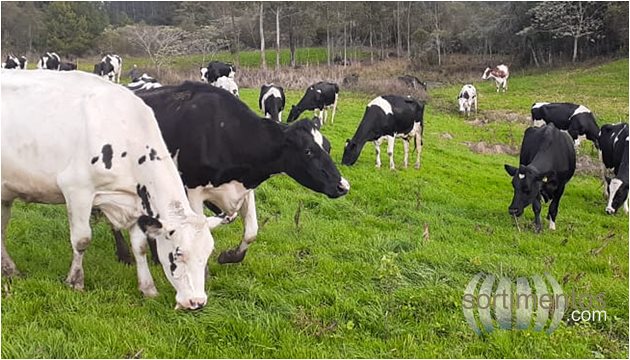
308 152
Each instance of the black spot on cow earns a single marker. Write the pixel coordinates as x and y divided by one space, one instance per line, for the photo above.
152 154
123 154
144 197
94 160
108 153
142 159
146 221
171 259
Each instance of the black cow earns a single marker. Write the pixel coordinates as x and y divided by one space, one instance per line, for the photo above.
547 163
224 151
413 82
67 66
576 119
14 62
388 117
319 96
613 141
271 101
49 61
215 70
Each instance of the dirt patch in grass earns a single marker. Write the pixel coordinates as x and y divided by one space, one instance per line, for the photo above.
484 148
503 115
588 165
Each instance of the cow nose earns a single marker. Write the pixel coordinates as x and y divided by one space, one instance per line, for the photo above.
343 186
513 211
610 210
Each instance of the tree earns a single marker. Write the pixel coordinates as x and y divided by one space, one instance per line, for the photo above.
159 43
568 19
72 27
263 60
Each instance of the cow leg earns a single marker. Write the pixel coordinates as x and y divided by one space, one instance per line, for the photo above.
418 147
334 109
553 208
79 206
390 151
377 149
325 111
122 250
139 247
250 230
625 205
406 152
8 266
536 206
280 116
154 253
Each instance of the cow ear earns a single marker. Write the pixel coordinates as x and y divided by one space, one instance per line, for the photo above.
511 170
151 226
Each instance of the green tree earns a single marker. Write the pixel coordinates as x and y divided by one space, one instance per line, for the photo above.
72 27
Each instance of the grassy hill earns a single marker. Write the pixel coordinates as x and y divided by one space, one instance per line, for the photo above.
357 277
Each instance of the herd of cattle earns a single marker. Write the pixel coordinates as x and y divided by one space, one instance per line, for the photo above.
152 158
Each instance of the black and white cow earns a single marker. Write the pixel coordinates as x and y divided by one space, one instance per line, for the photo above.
500 74
101 150
49 61
224 151
110 68
215 70
613 141
319 96
467 99
144 82
547 163
576 119
67 66
388 117
271 101
14 62
413 82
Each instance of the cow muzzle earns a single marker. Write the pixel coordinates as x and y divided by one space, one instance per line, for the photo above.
343 187
515 211
610 210
192 304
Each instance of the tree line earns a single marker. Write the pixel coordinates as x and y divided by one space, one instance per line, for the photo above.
536 33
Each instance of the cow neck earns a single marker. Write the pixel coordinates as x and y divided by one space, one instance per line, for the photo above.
365 131
268 159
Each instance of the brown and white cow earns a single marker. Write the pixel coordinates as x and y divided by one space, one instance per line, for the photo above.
500 74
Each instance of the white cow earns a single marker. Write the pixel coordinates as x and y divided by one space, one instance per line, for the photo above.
77 139
227 83
500 74
467 98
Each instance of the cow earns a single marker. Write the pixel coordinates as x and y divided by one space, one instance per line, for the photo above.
224 151
144 82
49 61
228 84
110 68
388 117
467 98
271 101
613 140
101 150
319 96
215 70
67 66
500 74
547 163
576 119
14 62
413 82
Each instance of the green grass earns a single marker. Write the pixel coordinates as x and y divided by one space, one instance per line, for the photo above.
356 279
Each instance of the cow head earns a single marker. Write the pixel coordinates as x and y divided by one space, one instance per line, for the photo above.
203 71
294 113
351 152
306 160
527 184
617 194
486 73
183 251
463 101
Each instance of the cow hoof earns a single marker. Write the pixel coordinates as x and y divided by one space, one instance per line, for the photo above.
417 166
537 228
75 280
9 269
378 166
231 256
149 291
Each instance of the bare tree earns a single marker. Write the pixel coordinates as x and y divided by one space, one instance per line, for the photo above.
160 43
263 60
277 11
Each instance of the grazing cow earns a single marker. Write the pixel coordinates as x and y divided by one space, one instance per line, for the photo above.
228 84
320 96
575 119
547 163
500 75
49 61
144 82
467 98
101 150
613 140
388 117
215 70
271 101
110 68
67 66
413 82
14 62
224 151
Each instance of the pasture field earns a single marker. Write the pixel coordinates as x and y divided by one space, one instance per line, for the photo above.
360 276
